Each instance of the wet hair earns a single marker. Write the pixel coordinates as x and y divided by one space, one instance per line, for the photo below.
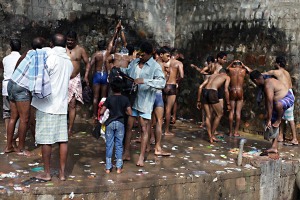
164 50
146 47
101 44
130 48
15 44
210 59
255 74
38 43
116 84
281 61
221 54
59 40
174 51
71 34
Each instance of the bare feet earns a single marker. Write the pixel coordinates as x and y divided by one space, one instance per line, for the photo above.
140 162
126 156
271 150
61 176
213 139
280 138
107 171
236 134
10 150
44 176
152 140
70 133
161 153
168 134
119 170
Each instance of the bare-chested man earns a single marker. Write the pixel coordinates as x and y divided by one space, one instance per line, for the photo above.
237 75
283 76
278 100
208 70
77 54
158 107
100 72
208 91
176 72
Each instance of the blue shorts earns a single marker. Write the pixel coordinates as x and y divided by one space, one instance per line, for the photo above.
100 78
17 93
136 113
158 100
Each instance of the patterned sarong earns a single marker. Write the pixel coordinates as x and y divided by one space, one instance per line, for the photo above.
75 89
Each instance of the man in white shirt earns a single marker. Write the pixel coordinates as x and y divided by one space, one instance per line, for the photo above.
8 65
51 113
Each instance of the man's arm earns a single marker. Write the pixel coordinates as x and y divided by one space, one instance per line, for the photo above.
271 73
1 66
227 82
85 59
158 81
112 41
249 70
181 71
205 70
269 95
195 67
200 92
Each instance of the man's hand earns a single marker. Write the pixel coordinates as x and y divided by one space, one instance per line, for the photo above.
193 66
86 80
198 105
228 107
139 81
268 124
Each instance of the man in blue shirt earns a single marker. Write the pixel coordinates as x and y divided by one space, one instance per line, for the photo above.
147 73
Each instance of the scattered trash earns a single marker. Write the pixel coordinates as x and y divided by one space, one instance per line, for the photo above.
71 196
219 162
220 172
199 173
102 162
215 179
223 156
33 164
37 169
11 162
9 175
190 148
210 154
174 148
248 166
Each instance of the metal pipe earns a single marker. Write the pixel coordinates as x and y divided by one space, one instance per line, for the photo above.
240 155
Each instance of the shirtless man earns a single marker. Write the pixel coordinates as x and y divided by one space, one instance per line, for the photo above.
76 53
175 68
208 92
208 70
100 72
237 75
278 100
158 107
283 76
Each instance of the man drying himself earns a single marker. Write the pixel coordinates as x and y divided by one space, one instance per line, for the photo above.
236 95
278 100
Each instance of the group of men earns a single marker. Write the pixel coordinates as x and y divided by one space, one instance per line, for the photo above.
41 88
228 83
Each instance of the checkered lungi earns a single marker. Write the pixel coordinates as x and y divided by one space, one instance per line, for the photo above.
51 128
75 89
289 113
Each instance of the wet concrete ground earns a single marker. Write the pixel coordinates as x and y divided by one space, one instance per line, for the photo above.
192 154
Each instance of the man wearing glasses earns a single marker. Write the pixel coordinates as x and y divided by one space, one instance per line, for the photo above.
148 74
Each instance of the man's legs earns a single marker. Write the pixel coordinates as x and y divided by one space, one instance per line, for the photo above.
239 105
279 109
218 108
174 111
169 105
109 136
23 108
46 155
159 113
293 129
126 155
72 114
145 123
208 121
32 121
96 91
231 114
11 127
63 152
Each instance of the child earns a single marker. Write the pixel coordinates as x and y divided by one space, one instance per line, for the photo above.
118 106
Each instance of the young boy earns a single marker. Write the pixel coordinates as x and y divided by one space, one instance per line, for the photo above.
118 106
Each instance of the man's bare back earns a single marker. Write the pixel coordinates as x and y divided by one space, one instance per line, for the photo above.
237 76
282 75
277 87
215 81
120 60
98 60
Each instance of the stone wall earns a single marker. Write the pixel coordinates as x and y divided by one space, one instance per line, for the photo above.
254 31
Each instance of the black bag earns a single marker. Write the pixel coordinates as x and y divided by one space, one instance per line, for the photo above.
87 94
96 132
129 88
